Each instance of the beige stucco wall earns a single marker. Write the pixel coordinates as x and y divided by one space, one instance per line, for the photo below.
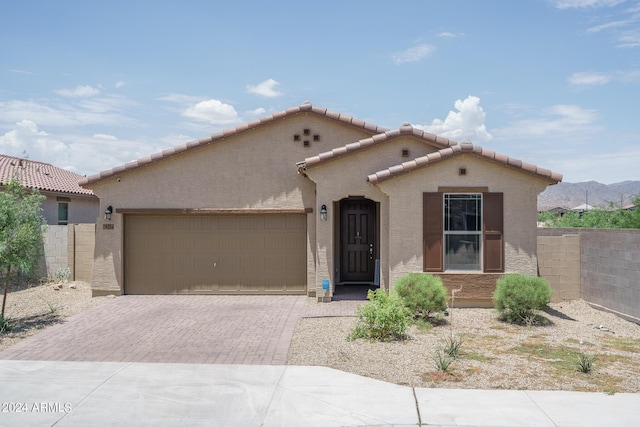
343 177
82 209
405 210
253 169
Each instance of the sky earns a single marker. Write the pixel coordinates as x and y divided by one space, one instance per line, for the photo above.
91 85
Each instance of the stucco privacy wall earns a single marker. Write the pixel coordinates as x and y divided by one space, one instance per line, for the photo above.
255 168
610 267
68 246
405 210
346 176
559 264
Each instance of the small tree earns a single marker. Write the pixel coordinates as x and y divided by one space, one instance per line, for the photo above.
21 226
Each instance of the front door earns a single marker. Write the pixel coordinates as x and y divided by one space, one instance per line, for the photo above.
358 240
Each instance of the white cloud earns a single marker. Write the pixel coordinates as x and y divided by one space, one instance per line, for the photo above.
449 35
266 89
105 137
571 120
119 84
25 137
28 73
257 112
584 4
180 98
465 123
212 111
589 79
413 54
78 92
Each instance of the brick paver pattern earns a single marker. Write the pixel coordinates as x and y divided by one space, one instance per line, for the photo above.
222 329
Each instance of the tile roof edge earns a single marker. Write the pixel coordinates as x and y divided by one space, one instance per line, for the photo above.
305 107
388 135
464 148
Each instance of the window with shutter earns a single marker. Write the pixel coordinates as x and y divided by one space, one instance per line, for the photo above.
463 232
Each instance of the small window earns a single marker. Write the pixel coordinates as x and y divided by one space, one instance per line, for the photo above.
63 213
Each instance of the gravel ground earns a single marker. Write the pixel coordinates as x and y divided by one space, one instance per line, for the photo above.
494 355
30 308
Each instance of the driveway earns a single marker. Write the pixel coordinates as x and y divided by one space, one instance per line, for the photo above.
172 328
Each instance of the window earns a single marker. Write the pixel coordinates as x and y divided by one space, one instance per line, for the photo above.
63 213
463 231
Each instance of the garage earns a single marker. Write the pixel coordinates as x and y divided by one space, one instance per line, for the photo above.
215 254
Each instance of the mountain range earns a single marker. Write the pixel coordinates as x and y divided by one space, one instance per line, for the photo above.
569 195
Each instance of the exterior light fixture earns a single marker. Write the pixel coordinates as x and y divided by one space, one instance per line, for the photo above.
107 213
323 213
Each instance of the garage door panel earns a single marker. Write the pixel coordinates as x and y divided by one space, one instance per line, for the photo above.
244 254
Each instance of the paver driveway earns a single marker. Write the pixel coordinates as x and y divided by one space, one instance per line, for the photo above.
172 328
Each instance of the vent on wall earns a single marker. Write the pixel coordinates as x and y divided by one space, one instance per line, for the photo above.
405 152
305 137
462 171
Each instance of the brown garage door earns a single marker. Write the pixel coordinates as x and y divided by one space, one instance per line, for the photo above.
215 254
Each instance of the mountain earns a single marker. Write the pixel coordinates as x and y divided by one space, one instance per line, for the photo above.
569 194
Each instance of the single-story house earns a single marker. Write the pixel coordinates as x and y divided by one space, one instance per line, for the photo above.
308 199
66 201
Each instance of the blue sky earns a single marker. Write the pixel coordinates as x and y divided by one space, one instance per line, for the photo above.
90 85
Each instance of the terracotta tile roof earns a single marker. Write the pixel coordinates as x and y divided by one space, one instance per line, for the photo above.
303 108
43 176
429 138
454 150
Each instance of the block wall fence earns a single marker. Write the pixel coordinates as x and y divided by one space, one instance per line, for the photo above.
601 266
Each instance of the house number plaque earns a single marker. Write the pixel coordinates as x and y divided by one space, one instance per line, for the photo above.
108 226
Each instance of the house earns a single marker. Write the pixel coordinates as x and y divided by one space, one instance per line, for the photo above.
66 201
308 199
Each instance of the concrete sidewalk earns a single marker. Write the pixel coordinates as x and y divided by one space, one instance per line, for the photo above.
46 393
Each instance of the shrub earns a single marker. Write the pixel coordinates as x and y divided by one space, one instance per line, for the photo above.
423 294
384 317
4 324
517 296
442 360
585 362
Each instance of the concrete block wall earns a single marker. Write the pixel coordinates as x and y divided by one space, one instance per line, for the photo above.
609 266
56 256
611 269
68 246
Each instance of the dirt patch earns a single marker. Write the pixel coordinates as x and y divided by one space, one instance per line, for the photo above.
30 307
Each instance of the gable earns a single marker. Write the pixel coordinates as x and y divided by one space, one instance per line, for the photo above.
337 129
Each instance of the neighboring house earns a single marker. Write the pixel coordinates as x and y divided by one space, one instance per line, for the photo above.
66 203
308 199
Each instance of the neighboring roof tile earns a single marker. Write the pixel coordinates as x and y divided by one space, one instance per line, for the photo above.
462 148
429 138
43 176
305 107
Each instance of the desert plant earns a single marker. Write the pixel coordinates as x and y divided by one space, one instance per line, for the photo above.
442 360
423 294
4 324
384 317
63 274
52 307
585 362
452 345
517 296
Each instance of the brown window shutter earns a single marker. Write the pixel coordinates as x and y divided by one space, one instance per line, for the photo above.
432 231
493 240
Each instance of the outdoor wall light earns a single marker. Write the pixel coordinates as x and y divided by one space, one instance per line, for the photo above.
323 213
107 213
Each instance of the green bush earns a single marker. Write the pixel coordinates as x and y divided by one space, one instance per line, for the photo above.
384 317
423 294
517 296
5 326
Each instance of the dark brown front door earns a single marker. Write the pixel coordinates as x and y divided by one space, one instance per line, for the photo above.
358 240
